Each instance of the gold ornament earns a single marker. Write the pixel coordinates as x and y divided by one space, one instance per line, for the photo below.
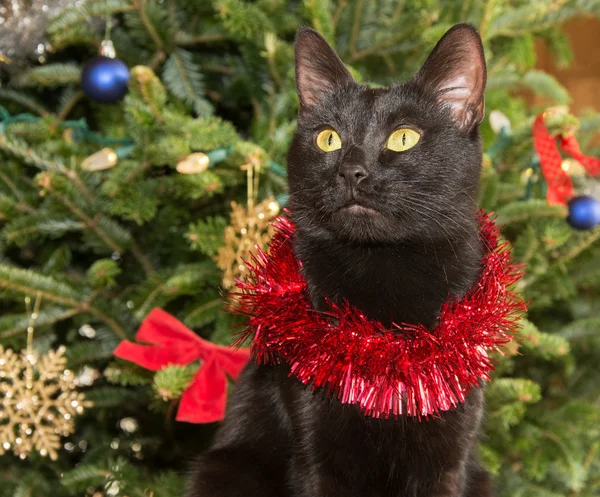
193 164
101 160
573 167
38 400
249 228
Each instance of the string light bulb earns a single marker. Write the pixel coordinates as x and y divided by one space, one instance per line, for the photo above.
101 160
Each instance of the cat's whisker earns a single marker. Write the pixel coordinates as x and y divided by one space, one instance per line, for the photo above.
418 202
435 220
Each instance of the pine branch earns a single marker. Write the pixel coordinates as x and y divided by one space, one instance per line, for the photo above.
184 39
157 60
544 84
28 155
545 345
149 26
23 99
183 77
146 85
503 79
341 6
271 43
106 397
93 224
81 13
533 18
171 381
75 35
184 280
72 175
207 236
112 235
208 133
26 228
49 76
22 203
22 150
505 390
559 45
485 19
581 328
356 19
583 243
29 283
142 258
16 324
102 274
526 245
379 48
518 212
243 21
198 316
81 353
321 19
127 374
84 475
68 106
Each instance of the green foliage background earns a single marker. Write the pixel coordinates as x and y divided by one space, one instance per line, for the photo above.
104 248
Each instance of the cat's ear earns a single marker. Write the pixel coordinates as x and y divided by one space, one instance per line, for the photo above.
318 68
455 71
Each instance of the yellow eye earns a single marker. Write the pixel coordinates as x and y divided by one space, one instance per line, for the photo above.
328 140
402 139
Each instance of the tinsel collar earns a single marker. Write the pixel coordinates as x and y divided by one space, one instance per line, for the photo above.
406 369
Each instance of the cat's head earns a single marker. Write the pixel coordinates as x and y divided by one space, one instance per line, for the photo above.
392 164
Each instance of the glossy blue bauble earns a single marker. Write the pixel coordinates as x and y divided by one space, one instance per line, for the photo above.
104 79
584 212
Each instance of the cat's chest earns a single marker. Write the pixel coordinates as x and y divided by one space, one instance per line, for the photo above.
395 286
386 456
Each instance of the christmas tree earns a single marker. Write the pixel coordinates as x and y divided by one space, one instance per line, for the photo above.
108 210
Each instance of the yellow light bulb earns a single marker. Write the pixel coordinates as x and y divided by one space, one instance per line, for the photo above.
195 163
101 160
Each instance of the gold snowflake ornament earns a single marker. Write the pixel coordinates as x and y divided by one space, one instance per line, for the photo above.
38 402
250 227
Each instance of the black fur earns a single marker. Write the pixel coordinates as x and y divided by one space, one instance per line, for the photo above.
397 264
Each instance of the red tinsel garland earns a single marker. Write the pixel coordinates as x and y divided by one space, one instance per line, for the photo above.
407 369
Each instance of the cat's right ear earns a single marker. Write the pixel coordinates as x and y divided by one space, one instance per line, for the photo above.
319 70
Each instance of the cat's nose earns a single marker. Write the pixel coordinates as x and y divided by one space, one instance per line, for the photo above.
353 174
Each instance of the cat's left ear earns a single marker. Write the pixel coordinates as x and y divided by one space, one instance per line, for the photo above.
455 72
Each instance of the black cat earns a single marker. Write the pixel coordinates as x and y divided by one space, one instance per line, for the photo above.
382 192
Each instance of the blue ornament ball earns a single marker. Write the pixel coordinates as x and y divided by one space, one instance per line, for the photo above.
584 212
104 79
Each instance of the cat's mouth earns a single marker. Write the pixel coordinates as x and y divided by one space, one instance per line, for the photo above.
356 208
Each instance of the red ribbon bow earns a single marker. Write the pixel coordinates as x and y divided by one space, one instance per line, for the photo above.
560 186
175 344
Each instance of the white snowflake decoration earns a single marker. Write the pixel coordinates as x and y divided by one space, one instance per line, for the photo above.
38 402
